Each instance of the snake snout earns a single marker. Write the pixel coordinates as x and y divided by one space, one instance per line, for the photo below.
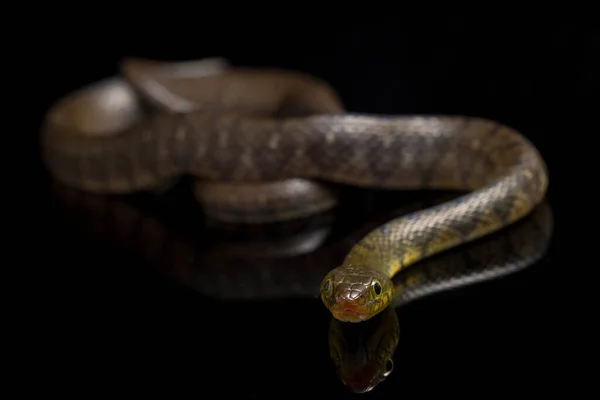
349 306
350 297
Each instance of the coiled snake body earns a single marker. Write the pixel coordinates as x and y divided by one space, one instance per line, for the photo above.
263 142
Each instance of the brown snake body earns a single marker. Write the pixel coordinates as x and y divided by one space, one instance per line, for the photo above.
263 142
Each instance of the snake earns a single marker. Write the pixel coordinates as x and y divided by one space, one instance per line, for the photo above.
266 145
247 264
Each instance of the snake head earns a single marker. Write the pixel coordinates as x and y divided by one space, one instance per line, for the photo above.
355 294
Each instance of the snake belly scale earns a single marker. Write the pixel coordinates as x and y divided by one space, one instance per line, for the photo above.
263 142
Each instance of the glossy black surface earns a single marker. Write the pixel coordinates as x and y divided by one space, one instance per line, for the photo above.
114 318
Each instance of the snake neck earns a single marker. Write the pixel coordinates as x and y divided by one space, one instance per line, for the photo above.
503 253
502 173
411 238
367 253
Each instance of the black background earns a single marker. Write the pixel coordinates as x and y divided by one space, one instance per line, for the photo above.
111 320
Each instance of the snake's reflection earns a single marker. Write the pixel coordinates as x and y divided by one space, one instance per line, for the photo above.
288 260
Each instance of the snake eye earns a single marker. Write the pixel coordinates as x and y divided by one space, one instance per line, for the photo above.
327 285
377 288
389 366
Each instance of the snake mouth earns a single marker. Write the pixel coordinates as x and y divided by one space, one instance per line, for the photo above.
348 314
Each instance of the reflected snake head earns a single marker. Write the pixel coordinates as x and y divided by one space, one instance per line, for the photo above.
363 353
356 294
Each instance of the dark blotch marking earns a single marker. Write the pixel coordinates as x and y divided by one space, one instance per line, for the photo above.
465 173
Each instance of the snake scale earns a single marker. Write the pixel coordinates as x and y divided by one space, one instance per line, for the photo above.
247 265
265 145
